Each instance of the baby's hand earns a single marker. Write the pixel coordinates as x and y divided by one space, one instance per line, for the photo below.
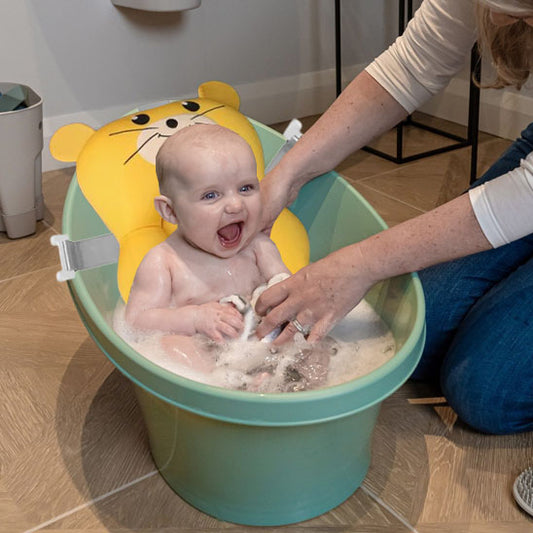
216 321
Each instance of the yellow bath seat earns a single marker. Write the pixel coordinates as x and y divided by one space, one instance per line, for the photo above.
115 168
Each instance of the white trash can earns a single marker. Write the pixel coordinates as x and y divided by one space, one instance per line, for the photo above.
21 145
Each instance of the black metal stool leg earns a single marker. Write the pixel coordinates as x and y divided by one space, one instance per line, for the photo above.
405 13
473 110
338 58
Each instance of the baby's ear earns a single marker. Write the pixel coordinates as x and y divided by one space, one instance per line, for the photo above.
163 206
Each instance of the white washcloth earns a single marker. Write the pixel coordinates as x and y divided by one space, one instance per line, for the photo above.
247 309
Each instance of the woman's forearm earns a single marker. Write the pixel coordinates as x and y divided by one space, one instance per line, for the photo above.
448 232
363 111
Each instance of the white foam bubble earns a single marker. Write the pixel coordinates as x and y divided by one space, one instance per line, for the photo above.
359 344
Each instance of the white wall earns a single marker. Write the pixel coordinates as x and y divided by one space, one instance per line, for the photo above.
91 61
502 112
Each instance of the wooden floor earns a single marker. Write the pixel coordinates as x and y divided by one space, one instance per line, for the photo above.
74 454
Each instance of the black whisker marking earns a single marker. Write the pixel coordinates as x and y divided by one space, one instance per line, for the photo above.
141 147
207 111
132 130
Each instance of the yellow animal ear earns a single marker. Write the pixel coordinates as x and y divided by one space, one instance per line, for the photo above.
68 141
220 92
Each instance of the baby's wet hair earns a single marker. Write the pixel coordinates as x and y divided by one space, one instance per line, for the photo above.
200 135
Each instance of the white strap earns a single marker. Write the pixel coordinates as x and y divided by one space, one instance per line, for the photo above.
84 254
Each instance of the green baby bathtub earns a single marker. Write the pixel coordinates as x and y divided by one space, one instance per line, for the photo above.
261 459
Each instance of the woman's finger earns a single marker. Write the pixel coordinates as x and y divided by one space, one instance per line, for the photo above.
320 330
302 324
275 319
272 297
286 335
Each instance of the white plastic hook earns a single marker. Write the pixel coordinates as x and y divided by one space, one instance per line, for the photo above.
292 134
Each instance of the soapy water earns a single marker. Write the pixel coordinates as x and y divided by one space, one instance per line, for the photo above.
359 344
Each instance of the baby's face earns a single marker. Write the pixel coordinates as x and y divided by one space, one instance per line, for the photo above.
217 201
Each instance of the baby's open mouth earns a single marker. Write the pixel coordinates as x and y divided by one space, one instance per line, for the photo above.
230 235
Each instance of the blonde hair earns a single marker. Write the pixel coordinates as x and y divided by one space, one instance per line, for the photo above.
510 47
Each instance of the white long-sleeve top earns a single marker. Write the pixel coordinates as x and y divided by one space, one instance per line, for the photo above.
418 65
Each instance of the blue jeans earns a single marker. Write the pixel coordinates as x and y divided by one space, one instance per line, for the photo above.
480 326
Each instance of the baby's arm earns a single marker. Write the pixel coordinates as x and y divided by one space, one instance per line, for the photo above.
268 258
272 269
150 305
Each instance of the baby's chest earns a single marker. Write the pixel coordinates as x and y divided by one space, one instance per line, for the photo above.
217 280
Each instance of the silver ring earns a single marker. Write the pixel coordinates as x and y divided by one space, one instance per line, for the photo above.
304 330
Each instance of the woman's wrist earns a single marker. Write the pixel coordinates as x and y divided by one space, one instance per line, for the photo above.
352 264
285 177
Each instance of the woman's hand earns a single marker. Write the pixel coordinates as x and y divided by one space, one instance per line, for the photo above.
278 191
318 296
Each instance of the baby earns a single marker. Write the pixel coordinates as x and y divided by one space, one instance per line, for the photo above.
208 183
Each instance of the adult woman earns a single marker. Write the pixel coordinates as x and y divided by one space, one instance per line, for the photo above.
479 343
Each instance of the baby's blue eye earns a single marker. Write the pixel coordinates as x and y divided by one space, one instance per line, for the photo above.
209 195
247 188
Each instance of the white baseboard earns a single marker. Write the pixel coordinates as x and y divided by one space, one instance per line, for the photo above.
290 97
504 113
268 101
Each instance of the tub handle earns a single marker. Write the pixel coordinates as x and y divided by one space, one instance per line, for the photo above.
84 254
292 135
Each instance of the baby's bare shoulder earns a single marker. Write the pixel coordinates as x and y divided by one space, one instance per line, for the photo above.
263 241
156 256
264 245
160 258
268 257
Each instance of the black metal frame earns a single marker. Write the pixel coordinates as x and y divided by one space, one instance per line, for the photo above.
405 13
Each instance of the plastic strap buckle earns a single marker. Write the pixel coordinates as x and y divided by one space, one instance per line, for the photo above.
292 134
84 254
